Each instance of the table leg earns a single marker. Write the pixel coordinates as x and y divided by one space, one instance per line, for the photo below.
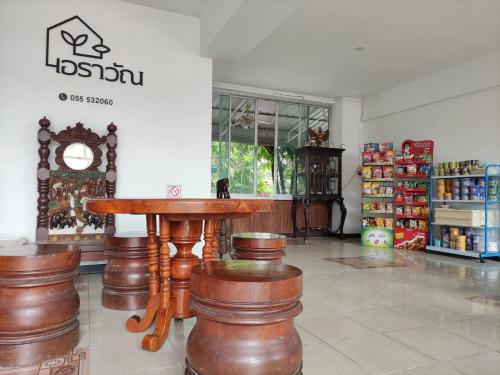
184 234
167 302
210 248
135 323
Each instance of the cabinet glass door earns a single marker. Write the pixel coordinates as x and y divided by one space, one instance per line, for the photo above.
300 168
316 174
332 175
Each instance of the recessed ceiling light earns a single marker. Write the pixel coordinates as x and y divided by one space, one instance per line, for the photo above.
359 48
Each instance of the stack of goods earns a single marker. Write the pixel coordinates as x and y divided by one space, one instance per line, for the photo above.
464 189
466 239
377 206
378 173
413 170
493 190
459 168
377 222
411 194
376 190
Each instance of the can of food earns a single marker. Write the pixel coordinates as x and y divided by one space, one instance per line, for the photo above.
448 196
454 232
493 182
456 197
461 241
480 182
464 196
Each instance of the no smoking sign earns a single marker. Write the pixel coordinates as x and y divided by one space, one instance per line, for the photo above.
174 191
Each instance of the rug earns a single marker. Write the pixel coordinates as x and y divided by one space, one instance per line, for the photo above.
74 363
486 300
363 262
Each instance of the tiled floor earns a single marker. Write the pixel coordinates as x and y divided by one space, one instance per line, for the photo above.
361 316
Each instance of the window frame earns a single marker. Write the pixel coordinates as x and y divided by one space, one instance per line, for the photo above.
277 101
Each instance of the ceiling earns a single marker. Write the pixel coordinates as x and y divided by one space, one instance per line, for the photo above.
307 46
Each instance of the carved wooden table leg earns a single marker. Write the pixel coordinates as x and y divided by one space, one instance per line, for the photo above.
210 248
167 302
135 323
184 234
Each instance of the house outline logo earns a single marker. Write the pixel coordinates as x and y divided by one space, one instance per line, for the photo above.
76 42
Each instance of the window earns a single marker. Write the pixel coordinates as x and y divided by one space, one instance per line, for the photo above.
253 142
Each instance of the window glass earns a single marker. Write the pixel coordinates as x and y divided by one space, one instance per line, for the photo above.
288 140
265 147
220 139
242 147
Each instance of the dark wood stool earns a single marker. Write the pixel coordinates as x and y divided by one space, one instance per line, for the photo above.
258 246
126 276
39 304
244 319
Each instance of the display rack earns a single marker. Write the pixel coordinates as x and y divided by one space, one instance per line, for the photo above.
411 195
377 208
485 232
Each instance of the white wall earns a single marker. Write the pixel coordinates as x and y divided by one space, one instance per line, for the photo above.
347 134
458 108
163 126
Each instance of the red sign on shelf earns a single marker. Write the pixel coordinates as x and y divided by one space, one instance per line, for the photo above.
417 151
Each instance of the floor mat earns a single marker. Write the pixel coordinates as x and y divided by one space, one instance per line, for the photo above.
363 262
74 363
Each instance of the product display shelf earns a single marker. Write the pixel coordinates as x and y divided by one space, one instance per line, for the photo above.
411 215
490 231
373 234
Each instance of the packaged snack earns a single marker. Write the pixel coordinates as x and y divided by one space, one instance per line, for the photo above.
408 210
367 172
400 223
386 146
410 184
388 171
424 169
381 207
398 197
375 188
367 157
388 208
389 191
399 210
388 222
421 198
400 170
371 147
379 222
416 211
413 224
408 198
367 188
411 169
376 157
377 172
364 222
389 156
422 225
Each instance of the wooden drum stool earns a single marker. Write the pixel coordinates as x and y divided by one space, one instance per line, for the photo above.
38 303
258 246
126 276
244 319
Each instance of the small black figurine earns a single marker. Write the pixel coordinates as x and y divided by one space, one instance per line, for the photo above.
223 188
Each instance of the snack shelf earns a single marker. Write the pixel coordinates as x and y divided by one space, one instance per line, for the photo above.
463 201
403 203
410 190
378 196
375 164
378 180
416 217
378 214
408 162
403 176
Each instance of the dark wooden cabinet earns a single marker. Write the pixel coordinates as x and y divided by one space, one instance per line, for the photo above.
318 177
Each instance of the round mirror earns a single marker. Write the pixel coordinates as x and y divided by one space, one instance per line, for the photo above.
78 156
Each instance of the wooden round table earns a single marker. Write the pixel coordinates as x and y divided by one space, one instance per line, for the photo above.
181 222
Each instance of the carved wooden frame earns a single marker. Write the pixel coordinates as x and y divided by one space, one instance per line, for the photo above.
64 138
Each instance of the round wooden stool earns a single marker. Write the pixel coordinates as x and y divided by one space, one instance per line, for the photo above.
258 246
244 319
126 276
38 303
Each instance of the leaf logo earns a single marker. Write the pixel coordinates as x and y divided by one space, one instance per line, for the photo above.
101 48
72 41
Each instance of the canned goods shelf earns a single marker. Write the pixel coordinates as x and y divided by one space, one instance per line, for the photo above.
465 176
402 176
464 253
462 201
466 226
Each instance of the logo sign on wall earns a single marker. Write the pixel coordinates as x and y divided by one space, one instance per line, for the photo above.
174 191
72 39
